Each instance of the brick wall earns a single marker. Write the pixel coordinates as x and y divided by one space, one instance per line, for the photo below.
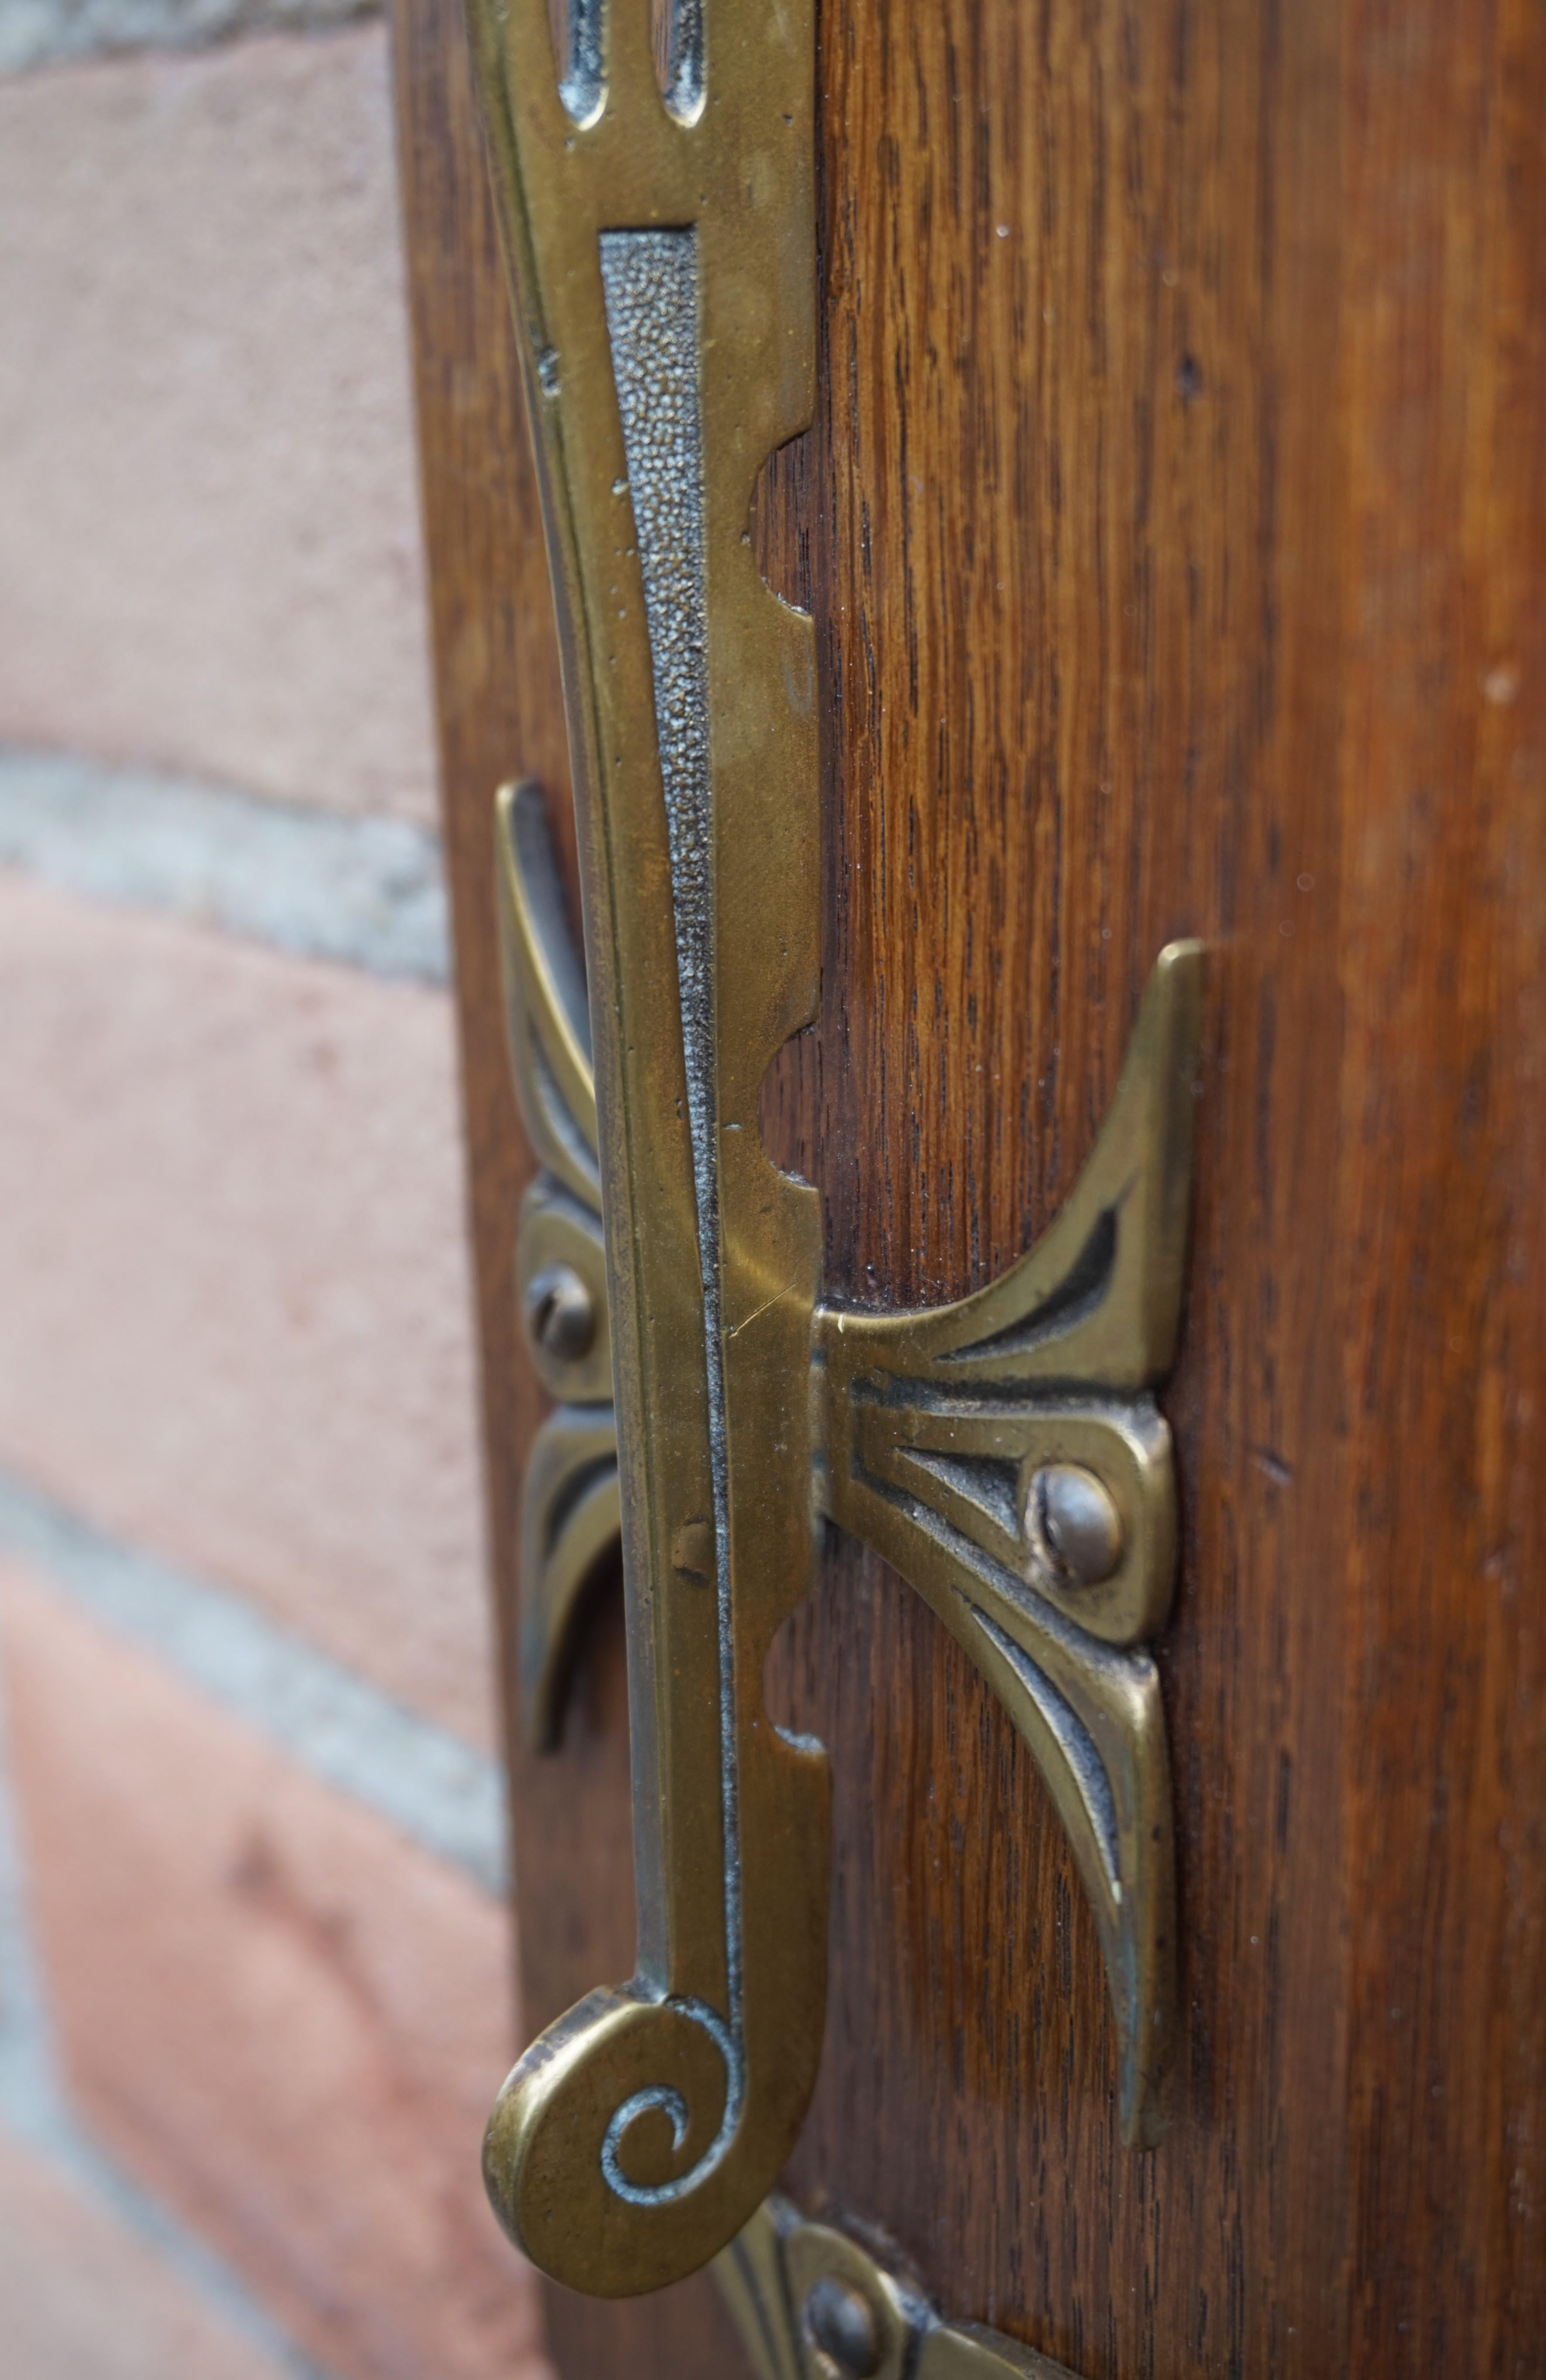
254 1954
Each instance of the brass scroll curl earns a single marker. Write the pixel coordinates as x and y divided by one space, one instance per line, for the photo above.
1004 1453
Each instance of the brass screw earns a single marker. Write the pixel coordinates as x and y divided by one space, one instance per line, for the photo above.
561 1313
841 2323
1073 1523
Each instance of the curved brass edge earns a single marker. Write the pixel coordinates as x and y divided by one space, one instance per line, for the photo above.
546 1019
786 2282
936 1425
1095 1725
571 1509
1097 1301
1092 1718
754 2285
571 1517
975 1464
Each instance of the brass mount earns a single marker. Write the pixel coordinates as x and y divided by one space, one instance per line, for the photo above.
813 2302
1004 1453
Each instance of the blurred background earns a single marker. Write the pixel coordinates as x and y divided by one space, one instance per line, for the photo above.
254 1950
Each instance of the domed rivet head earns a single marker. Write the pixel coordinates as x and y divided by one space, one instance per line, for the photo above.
561 1313
841 2321
1073 1523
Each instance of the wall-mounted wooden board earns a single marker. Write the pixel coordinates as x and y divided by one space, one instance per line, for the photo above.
1175 523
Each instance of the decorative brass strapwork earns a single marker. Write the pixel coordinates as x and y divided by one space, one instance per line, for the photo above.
1004 1452
662 249
570 1510
812 2302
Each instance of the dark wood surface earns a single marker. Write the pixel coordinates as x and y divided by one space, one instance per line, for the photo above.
1175 523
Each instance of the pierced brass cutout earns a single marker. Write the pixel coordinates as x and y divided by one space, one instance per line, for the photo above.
811 2302
1004 1453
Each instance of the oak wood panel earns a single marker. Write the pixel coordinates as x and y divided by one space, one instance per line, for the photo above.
1444 858
1072 716
1173 522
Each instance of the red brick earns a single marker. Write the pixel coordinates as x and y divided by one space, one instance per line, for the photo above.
210 553
286 2019
235 1317
83 2298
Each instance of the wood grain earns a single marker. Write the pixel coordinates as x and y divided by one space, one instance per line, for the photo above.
1174 523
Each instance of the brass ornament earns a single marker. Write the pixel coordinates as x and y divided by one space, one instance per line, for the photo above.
1003 1454
813 2303
662 249
571 1507
944 1432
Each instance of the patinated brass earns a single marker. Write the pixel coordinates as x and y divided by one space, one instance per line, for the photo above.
934 1428
1004 1453
662 250
958 1439
571 1509
812 2302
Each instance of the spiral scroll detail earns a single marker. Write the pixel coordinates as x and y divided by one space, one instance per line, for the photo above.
662 2096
